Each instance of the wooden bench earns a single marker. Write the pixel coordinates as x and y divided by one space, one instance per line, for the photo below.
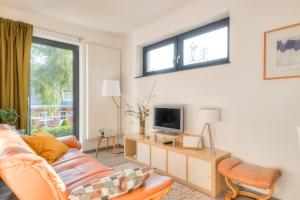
252 175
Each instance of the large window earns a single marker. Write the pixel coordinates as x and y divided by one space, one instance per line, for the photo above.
204 46
54 91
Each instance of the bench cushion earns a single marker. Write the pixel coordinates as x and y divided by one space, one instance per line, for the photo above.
248 174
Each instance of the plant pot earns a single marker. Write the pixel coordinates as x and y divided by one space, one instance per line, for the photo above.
142 128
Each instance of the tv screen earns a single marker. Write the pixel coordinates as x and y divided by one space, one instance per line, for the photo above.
167 118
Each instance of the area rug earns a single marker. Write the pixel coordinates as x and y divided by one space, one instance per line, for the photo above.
179 191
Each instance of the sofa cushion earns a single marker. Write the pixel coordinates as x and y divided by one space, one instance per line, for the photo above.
81 169
10 138
19 164
69 155
113 185
71 141
46 145
153 184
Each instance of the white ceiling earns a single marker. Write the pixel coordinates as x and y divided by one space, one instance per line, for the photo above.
119 16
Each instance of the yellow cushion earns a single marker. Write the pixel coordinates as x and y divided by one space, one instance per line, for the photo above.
46 145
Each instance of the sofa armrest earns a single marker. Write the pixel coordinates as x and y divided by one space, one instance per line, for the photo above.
71 141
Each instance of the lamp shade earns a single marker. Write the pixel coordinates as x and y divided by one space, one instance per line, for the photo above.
209 115
111 88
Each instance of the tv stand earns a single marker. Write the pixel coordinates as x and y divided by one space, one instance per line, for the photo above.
194 168
168 138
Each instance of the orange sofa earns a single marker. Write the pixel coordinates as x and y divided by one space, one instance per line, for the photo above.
30 177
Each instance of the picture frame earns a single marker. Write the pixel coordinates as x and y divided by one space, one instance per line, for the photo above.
191 141
282 53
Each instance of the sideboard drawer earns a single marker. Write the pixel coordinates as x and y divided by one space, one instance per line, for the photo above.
199 173
177 165
143 153
159 158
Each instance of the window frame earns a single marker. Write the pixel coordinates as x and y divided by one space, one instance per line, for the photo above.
157 45
178 51
65 116
43 112
75 50
46 117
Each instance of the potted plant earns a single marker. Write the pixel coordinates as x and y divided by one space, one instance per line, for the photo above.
8 116
141 111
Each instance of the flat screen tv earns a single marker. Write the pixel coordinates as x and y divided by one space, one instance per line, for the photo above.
168 119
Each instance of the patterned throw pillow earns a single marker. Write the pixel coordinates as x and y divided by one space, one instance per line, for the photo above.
112 186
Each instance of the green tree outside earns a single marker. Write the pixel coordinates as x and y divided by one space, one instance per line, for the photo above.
51 74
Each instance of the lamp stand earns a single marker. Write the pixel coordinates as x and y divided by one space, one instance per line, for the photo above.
119 123
211 141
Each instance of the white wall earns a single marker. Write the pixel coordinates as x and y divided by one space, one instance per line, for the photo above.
54 28
258 117
103 64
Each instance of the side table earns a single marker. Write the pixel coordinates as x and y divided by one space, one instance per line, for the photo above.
107 137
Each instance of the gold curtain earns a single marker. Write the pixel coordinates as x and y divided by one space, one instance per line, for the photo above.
15 46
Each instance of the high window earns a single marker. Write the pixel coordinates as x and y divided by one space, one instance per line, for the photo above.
54 91
201 47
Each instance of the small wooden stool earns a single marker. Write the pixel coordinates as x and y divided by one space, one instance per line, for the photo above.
259 177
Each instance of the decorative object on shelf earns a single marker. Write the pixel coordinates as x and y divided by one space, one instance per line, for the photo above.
111 88
191 141
282 53
8 116
208 116
142 124
101 131
141 111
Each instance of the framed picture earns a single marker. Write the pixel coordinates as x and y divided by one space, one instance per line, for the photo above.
282 53
191 141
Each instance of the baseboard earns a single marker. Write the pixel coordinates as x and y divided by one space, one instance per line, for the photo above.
103 148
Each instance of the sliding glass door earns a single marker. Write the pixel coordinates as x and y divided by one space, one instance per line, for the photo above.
54 87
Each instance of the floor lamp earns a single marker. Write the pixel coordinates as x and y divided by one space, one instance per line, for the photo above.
209 116
111 88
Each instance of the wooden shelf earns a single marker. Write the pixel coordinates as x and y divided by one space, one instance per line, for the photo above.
201 153
197 169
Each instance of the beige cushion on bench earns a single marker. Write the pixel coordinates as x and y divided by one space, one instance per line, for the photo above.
249 174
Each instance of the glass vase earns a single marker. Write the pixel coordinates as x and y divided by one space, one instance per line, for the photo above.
142 128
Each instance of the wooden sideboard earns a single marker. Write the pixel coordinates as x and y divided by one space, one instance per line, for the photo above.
194 168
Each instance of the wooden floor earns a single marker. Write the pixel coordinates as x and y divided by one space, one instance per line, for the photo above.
108 159
5 193
105 158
